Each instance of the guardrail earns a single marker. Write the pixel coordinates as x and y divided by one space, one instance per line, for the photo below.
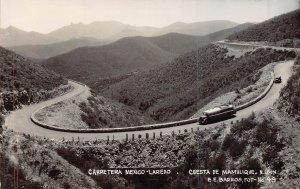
111 130
144 127
251 102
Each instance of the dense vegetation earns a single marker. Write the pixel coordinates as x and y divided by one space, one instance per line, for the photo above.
176 90
18 73
100 112
23 82
99 83
286 26
290 95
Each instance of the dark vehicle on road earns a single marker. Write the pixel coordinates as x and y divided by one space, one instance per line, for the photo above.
277 79
217 114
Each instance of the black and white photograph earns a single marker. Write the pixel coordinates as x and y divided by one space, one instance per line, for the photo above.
150 94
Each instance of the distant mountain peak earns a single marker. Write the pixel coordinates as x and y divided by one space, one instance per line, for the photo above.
13 28
107 22
79 23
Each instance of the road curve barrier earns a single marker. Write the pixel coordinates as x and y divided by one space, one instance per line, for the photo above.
144 127
262 95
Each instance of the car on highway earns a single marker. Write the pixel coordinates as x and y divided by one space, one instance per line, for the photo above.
277 79
217 114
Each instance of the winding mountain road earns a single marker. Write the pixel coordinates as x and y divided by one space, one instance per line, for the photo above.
20 121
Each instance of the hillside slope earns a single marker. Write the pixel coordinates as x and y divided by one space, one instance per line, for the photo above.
54 49
283 27
178 43
289 98
176 90
122 57
23 82
222 34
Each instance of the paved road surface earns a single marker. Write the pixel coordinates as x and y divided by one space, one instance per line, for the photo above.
19 120
256 45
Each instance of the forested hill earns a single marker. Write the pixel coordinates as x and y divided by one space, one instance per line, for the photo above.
286 26
18 72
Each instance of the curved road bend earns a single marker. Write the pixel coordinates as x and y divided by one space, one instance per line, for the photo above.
19 120
256 45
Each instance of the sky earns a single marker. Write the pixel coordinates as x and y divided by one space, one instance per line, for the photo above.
47 15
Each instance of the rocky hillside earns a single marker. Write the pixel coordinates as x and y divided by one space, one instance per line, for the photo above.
23 81
285 28
176 90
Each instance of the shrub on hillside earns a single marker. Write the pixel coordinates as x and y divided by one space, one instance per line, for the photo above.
237 148
244 125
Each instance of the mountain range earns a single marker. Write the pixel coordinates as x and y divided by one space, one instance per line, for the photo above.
54 49
13 36
128 55
106 30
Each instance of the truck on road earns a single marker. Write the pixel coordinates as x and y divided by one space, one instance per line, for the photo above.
217 114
